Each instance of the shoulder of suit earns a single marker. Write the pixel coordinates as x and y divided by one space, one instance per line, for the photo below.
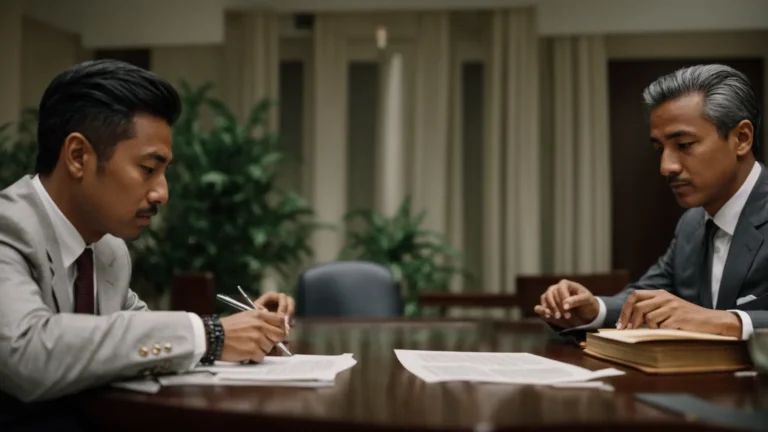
691 219
20 222
112 243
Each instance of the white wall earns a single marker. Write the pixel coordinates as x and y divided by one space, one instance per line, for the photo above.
634 16
46 52
112 23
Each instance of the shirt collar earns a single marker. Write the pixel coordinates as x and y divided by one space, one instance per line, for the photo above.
728 216
70 241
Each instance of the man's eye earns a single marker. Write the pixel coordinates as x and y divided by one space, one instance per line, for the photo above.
684 146
148 170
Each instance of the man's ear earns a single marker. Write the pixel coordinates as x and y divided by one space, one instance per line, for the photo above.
76 153
742 136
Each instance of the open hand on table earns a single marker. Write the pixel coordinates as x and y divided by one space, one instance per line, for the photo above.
662 309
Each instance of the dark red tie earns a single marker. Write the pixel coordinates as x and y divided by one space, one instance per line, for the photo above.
84 297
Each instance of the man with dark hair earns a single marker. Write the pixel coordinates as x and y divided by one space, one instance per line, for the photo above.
68 319
713 278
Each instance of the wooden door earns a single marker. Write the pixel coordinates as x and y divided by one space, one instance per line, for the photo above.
645 212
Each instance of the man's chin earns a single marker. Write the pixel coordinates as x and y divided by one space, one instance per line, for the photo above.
688 201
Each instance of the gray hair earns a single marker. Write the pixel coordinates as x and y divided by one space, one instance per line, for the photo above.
729 97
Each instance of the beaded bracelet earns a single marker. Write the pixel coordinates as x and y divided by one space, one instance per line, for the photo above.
214 333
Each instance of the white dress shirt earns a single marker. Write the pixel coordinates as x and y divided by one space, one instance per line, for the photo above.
725 219
72 246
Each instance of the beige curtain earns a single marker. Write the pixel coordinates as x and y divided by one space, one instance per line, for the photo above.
326 152
10 60
582 201
511 160
431 144
252 61
390 149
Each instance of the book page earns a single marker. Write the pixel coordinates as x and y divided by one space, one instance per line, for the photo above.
513 368
647 335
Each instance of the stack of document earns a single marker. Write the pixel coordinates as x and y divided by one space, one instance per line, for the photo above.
505 368
295 371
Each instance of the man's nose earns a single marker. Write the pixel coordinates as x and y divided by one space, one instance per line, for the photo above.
670 164
159 193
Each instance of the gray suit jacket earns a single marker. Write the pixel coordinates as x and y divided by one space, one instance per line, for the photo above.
681 270
47 352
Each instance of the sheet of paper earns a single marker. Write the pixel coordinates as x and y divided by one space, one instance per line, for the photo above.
511 368
143 385
297 368
210 379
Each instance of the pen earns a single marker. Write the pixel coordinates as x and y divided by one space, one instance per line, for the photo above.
236 304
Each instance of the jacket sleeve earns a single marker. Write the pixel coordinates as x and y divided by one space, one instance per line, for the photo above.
45 355
659 276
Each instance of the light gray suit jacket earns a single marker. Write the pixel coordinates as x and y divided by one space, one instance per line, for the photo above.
682 269
47 352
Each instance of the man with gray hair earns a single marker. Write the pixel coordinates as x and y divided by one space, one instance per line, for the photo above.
713 278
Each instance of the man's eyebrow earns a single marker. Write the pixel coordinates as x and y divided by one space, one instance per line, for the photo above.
157 156
672 135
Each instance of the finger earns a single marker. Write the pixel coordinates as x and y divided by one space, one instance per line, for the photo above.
291 307
272 318
258 355
642 308
658 317
282 303
577 300
541 311
562 292
267 298
629 306
265 345
550 302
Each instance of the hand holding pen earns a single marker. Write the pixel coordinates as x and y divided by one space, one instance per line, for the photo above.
262 311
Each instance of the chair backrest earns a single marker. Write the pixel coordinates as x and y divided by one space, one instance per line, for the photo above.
530 287
348 289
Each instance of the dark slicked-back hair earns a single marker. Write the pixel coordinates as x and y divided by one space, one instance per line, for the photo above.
728 95
99 99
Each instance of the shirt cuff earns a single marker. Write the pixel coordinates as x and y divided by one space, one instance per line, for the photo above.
597 322
746 324
199 338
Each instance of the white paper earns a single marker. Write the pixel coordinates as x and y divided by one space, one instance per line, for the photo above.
210 379
298 370
143 385
510 368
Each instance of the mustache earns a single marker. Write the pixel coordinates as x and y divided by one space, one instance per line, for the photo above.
148 212
676 179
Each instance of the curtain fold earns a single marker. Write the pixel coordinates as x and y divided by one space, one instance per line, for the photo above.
582 202
431 99
252 59
326 154
511 159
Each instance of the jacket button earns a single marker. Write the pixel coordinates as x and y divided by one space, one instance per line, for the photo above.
143 351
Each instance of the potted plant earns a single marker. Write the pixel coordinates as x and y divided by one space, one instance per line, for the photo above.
419 259
18 150
225 215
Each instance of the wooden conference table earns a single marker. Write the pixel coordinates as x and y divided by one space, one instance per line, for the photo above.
378 394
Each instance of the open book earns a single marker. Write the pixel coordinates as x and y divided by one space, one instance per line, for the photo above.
661 351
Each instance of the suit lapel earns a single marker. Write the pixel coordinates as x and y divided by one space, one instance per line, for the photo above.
62 292
745 244
107 300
